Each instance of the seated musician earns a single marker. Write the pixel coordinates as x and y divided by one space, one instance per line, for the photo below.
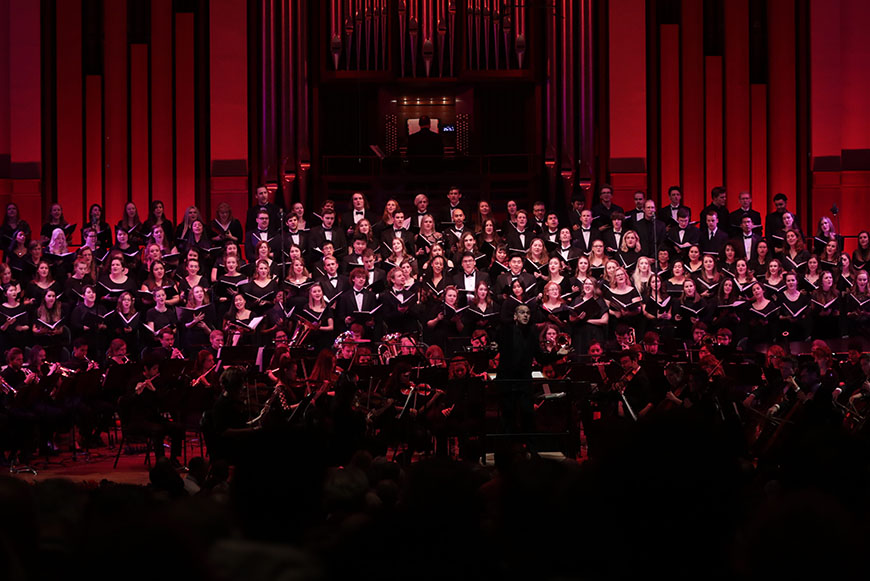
457 410
142 413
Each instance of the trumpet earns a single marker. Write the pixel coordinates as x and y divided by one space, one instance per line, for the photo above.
7 389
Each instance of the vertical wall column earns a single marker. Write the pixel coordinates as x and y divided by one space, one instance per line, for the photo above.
69 140
228 74
627 98
20 102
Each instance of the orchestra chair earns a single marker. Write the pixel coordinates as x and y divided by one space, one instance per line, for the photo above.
130 436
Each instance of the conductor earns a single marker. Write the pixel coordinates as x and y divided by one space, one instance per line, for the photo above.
518 348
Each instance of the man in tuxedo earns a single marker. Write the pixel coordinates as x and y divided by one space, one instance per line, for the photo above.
357 299
425 147
398 230
745 210
376 278
520 238
602 211
515 272
550 232
454 201
539 217
713 238
612 236
263 203
354 258
359 210
578 204
719 198
650 230
518 347
328 231
668 214
748 239
773 222
467 279
293 235
636 214
262 232
421 202
586 234
333 283
684 234
454 233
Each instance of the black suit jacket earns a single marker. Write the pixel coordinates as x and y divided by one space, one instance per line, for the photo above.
611 246
741 249
408 238
580 241
317 237
347 221
736 219
444 218
425 142
274 216
252 238
601 215
513 239
346 304
692 236
715 245
330 291
664 214
652 234
504 280
458 279
301 237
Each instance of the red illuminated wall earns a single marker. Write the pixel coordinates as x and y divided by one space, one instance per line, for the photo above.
131 123
683 109
20 116
840 117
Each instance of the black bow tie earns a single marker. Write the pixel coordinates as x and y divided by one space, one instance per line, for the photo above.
358 212
587 229
358 292
333 278
745 236
469 275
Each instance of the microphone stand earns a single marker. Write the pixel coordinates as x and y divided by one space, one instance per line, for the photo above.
283 255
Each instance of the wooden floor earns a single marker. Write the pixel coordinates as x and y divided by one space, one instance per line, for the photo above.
94 466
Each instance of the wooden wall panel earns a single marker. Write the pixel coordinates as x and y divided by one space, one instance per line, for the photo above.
185 124
692 87
140 158
69 141
628 79
713 143
162 182
782 94
93 141
736 89
760 142
669 105
116 111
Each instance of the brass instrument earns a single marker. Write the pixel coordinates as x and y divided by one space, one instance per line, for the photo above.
630 340
389 347
7 389
300 334
346 337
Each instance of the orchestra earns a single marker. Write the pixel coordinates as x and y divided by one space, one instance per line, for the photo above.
389 327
